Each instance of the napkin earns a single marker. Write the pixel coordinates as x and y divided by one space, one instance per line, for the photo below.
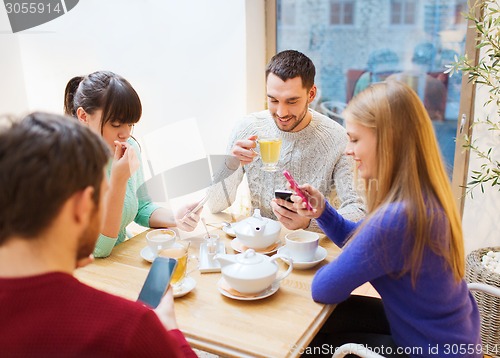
267 249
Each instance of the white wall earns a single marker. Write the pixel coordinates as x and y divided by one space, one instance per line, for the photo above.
185 59
13 99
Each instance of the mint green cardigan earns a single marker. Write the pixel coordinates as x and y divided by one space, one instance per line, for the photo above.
136 207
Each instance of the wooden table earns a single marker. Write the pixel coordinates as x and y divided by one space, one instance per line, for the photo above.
281 325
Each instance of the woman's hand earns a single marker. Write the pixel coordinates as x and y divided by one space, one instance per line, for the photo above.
165 310
187 220
125 161
315 198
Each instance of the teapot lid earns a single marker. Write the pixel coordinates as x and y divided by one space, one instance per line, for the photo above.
249 257
256 221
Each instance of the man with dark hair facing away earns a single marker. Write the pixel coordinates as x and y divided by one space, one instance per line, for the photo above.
52 185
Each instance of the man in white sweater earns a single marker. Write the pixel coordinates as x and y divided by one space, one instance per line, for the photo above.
312 149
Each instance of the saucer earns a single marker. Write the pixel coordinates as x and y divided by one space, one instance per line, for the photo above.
229 231
266 293
147 254
187 286
238 247
320 255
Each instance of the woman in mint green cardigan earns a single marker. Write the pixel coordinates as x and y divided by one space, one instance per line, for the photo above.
110 106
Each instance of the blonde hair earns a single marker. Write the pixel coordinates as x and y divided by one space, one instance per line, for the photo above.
409 171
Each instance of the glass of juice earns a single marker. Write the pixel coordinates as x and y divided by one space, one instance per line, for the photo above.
270 148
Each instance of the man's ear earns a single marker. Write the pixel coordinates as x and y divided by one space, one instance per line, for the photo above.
82 115
84 205
312 94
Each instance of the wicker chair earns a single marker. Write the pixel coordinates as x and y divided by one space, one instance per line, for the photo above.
363 352
488 304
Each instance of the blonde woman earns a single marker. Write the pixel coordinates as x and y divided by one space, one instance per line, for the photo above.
409 247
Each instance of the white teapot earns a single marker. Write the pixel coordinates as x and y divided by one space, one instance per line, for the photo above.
257 232
251 272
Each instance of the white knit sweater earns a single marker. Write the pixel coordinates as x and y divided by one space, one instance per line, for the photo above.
314 155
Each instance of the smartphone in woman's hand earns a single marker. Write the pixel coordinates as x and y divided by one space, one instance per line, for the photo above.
295 187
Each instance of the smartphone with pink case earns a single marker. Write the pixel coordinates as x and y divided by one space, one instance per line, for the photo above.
295 187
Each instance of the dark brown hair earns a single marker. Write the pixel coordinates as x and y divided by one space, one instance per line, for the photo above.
289 64
44 160
104 90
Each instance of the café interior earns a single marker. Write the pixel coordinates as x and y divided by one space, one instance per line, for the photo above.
199 66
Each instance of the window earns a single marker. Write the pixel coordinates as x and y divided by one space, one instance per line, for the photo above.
341 12
403 12
348 58
286 12
460 8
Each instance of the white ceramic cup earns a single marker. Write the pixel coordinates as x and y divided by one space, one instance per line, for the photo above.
160 239
302 245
